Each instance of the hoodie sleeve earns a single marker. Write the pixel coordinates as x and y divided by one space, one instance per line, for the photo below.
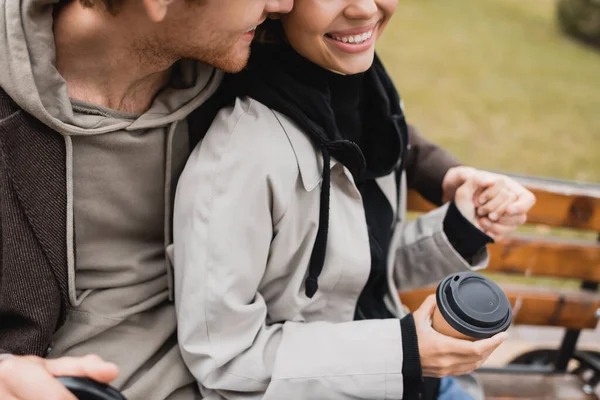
225 214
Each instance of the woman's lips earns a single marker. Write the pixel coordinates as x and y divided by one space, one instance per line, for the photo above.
353 41
354 31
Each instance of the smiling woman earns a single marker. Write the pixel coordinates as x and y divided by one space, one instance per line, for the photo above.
295 290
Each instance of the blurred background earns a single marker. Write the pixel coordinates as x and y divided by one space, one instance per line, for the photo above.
506 85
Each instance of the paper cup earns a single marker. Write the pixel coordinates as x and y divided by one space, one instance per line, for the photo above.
471 306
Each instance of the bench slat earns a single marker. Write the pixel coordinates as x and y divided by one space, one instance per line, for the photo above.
566 210
530 255
536 306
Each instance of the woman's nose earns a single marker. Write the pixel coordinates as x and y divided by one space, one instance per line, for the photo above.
361 9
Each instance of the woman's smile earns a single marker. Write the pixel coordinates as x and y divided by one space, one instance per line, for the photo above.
354 40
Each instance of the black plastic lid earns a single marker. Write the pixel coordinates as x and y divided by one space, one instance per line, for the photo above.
474 305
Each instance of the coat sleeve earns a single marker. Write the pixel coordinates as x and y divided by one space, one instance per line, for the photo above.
226 211
426 165
423 255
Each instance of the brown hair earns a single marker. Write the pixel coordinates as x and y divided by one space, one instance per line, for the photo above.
112 6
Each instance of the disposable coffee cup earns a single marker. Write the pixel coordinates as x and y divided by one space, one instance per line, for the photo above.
471 306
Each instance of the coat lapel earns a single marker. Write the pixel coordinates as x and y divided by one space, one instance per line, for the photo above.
35 158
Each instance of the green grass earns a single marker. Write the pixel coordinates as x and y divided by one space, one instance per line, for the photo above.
498 84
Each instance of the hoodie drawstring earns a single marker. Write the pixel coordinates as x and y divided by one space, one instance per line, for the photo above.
317 257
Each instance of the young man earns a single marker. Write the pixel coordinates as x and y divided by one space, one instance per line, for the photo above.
93 134
94 120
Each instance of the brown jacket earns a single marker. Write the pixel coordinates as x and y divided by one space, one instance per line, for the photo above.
33 254
33 243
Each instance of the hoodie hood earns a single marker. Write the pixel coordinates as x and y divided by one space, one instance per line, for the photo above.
29 76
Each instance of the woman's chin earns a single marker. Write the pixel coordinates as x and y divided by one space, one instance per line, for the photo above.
352 68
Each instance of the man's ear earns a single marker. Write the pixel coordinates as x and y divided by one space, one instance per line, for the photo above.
157 9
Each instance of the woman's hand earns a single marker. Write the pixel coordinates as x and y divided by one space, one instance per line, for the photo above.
446 356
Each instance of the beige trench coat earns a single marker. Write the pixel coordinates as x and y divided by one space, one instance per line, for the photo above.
246 217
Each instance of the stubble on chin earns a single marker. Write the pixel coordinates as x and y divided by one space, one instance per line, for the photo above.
226 53
231 58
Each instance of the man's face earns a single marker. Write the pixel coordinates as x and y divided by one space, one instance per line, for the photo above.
217 32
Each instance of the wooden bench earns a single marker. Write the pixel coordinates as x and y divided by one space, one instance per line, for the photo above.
562 372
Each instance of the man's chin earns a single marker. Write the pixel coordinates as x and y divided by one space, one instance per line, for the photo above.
232 63
232 68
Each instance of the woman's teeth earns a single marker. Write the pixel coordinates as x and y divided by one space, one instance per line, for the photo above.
356 39
251 29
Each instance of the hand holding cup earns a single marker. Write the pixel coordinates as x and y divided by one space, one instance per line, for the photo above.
469 321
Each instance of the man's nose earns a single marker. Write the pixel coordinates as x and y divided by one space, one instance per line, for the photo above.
279 6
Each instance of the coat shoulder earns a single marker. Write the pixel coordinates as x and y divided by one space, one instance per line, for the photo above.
265 141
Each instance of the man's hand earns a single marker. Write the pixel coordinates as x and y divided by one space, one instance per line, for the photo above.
446 356
32 378
501 203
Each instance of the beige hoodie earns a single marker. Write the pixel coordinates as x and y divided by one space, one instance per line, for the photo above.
121 174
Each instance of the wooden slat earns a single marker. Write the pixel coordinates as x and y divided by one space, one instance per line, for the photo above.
536 306
565 210
530 255
558 204
504 386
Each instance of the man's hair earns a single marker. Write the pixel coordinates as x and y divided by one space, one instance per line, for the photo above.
112 6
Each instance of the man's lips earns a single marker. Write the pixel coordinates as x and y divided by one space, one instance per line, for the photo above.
253 28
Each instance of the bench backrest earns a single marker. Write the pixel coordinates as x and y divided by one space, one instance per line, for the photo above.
544 251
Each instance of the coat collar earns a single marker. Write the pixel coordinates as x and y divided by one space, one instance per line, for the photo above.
308 155
310 162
